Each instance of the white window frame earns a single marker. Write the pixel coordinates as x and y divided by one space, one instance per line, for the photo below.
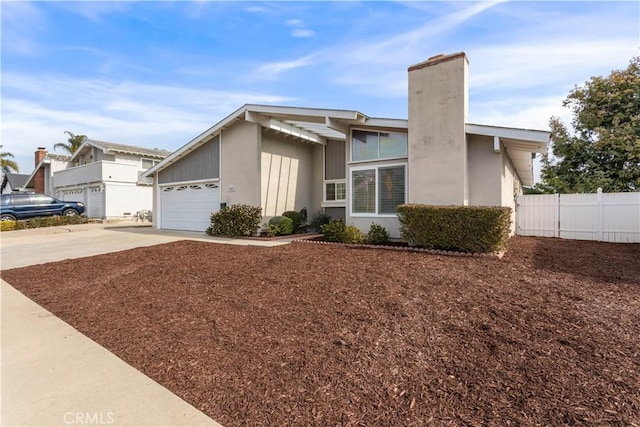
378 159
153 162
335 182
376 168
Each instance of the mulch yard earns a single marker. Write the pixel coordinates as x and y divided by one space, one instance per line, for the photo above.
309 334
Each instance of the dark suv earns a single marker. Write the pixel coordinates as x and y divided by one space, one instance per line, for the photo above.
23 206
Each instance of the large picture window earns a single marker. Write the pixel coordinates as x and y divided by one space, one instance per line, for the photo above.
377 190
368 145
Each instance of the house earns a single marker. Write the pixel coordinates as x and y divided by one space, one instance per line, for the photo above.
12 182
347 164
46 164
106 177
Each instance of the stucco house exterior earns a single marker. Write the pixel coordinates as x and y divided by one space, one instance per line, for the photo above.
105 176
348 164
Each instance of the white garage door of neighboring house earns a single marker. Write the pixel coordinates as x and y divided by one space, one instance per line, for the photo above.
188 207
95 202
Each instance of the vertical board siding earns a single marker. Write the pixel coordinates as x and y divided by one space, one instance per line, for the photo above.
335 163
202 163
607 217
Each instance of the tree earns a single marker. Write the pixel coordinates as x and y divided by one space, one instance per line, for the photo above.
73 143
603 148
6 164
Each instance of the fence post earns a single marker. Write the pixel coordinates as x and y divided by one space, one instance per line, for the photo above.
600 215
556 213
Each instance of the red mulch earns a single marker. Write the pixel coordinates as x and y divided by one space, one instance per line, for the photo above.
308 334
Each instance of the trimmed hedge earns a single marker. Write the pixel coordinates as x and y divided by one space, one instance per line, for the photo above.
47 221
281 226
474 229
235 220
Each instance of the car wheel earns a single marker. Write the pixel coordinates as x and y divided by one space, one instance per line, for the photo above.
7 217
70 212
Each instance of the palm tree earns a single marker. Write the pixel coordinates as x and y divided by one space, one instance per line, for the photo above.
74 142
6 164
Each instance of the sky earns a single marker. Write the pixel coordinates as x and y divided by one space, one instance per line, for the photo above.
156 74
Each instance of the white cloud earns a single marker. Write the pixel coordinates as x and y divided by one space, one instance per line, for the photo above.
129 112
22 23
299 29
274 69
302 33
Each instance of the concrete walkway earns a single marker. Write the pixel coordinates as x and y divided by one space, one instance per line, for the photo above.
51 374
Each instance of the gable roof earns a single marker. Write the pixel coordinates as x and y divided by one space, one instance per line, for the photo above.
15 180
111 147
45 161
314 125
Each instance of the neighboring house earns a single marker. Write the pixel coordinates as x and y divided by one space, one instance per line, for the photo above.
105 176
12 182
348 164
46 164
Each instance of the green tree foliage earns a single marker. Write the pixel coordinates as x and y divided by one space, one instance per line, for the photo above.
603 148
73 143
6 164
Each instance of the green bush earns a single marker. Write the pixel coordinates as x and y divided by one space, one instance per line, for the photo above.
479 229
352 234
337 231
377 235
334 230
297 218
235 220
48 221
318 220
280 226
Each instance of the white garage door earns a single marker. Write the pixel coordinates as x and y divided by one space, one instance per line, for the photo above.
188 207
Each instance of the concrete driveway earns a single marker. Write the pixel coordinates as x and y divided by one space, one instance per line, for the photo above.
51 374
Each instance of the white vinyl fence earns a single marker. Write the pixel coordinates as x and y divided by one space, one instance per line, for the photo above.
606 217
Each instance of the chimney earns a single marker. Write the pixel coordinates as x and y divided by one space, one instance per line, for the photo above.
438 108
38 179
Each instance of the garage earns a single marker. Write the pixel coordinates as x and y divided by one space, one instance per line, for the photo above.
188 206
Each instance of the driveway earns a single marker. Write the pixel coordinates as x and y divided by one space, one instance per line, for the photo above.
54 375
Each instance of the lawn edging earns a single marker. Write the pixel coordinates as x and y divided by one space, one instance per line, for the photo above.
498 255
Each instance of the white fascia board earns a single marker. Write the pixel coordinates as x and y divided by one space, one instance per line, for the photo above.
537 136
388 123
308 112
197 141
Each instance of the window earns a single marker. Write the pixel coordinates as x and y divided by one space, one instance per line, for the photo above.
335 191
149 163
367 145
377 190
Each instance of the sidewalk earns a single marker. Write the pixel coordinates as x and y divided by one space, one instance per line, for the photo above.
51 374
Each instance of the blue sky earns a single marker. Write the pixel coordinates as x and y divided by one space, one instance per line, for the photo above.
156 74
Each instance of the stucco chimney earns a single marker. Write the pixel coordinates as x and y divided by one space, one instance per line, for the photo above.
38 179
438 108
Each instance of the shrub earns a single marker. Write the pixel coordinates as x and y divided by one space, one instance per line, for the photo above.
235 220
48 221
337 231
297 218
334 230
318 220
8 225
478 229
352 234
280 225
377 235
